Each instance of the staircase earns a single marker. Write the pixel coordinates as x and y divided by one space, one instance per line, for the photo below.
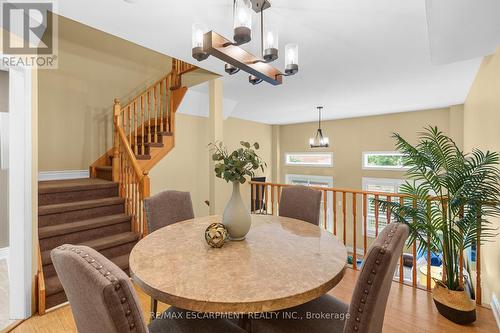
106 211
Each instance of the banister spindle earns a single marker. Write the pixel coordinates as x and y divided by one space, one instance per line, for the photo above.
116 158
461 256
414 250
272 200
160 109
401 271
264 207
376 214
129 126
156 113
143 133
149 117
478 259
344 216
365 210
135 129
335 213
428 250
254 197
354 247
325 209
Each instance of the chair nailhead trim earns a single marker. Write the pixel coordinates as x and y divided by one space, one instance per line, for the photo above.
107 274
369 282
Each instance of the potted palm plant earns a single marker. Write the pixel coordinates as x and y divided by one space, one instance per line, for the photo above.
235 167
451 195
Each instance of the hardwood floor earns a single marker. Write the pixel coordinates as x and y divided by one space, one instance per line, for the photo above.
408 310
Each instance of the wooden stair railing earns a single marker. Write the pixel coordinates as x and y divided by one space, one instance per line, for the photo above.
143 134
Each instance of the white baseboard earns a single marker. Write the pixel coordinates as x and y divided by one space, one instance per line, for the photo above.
66 174
495 307
4 253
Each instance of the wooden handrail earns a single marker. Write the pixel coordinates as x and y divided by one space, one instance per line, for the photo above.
343 190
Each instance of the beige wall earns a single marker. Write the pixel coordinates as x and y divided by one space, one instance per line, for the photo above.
75 100
349 138
236 130
186 167
481 130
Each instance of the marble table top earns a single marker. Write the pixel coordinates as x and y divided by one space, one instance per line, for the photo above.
282 263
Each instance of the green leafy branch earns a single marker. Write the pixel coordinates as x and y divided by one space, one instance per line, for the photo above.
237 165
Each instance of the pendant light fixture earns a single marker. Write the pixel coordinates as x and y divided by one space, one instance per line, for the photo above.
206 43
319 141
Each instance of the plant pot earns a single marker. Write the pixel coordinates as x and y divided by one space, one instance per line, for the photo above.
454 305
236 216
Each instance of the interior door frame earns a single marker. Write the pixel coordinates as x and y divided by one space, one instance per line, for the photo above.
20 192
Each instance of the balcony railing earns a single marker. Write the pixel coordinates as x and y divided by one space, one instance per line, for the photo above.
355 218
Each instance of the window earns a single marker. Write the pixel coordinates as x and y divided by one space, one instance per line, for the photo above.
317 181
378 185
324 159
384 160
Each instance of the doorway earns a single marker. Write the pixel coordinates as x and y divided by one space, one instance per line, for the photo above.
16 209
4 200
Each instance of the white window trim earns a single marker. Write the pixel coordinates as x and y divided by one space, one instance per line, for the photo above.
309 165
365 166
380 181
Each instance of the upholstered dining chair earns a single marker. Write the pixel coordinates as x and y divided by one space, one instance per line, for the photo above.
103 299
163 209
367 308
166 208
301 203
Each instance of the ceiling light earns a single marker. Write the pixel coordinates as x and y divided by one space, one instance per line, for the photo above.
237 58
242 21
230 69
254 79
319 141
198 31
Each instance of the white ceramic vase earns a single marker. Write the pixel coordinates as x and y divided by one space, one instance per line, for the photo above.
236 217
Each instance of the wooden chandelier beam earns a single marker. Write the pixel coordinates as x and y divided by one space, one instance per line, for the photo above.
221 48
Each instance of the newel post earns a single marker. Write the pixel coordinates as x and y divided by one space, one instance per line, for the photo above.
116 152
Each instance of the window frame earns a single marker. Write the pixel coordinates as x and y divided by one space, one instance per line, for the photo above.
309 164
366 181
366 154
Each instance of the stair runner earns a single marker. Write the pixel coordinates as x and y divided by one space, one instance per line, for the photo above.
86 212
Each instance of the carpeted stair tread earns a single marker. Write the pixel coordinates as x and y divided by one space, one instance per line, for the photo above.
78 205
100 244
53 285
66 228
68 185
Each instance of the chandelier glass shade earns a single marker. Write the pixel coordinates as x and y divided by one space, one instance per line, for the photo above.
319 141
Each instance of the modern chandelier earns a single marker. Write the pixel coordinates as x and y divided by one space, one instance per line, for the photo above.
319 141
206 43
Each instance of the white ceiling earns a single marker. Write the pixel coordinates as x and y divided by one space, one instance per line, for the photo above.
356 57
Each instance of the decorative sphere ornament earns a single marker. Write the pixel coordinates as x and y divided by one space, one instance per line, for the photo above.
216 234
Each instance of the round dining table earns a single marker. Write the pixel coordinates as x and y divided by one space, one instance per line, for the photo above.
282 262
